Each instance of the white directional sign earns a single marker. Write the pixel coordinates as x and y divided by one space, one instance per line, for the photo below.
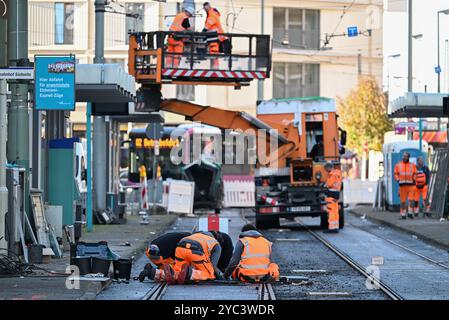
17 73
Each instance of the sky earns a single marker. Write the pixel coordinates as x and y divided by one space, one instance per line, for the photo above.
395 30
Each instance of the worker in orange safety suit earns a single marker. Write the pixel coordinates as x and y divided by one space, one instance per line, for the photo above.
176 45
333 185
196 258
213 23
161 251
421 182
405 175
251 261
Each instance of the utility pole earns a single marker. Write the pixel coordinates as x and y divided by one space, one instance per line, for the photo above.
19 111
410 46
99 134
3 133
359 64
260 90
3 139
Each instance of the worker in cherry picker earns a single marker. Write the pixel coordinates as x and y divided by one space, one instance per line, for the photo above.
176 43
213 24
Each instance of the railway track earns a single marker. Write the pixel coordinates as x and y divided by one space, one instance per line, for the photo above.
414 252
392 294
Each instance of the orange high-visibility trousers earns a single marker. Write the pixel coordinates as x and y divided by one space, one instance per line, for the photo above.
406 192
174 46
202 268
420 192
272 274
333 214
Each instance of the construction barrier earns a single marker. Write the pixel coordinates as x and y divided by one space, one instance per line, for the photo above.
213 223
239 191
180 196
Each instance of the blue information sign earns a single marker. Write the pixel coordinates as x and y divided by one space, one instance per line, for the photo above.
54 87
353 32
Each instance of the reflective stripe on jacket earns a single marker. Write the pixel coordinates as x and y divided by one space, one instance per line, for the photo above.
255 259
421 179
199 243
405 173
177 22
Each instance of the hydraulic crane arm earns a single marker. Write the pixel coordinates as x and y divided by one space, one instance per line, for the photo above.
226 119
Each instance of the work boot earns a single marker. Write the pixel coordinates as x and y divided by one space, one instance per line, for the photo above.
330 231
183 275
169 274
148 271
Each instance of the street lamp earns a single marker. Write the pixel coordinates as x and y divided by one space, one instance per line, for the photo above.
391 56
446 12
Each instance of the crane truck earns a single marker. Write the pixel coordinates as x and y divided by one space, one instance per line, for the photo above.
294 187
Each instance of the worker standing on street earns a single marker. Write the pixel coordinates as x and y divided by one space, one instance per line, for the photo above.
161 251
175 43
421 182
196 258
251 261
405 175
333 185
213 24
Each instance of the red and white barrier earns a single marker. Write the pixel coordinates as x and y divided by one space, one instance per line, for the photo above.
214 74
213 223
238 191
269 200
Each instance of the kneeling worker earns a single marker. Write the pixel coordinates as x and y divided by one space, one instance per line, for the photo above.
196 258
161 251
251 261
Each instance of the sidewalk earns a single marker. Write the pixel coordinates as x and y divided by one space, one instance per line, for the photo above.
126 240
428 229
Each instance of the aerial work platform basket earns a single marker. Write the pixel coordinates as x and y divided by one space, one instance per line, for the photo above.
242 58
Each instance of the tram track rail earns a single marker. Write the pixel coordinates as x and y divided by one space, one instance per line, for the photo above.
391 293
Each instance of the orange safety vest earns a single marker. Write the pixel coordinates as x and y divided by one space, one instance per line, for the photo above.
421 179
199 244
334 180
213 23
255 259
405 173
177 22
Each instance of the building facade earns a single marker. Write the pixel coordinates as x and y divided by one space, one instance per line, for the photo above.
312 56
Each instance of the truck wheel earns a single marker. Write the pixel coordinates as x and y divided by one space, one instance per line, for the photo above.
341 219
263 223
324 223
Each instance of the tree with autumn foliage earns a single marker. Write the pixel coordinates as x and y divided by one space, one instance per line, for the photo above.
363 114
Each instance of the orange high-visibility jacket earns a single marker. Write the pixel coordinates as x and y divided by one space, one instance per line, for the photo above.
334 180
213 22
421 178
206 242
405 173
177 22
255 258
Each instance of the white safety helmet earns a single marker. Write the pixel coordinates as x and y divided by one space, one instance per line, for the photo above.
190 10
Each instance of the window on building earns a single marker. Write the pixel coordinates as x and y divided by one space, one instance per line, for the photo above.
185 92
296 28
295 80
134 18
64 24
